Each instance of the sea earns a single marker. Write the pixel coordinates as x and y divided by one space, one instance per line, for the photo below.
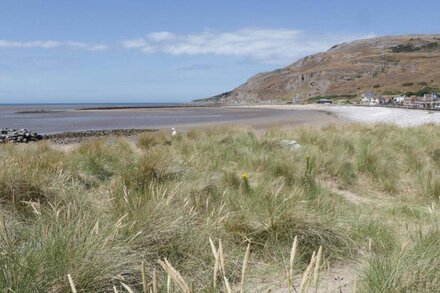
56 118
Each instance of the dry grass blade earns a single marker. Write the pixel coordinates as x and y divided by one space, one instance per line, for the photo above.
243 269
216 264
72 284
155 289
213 248
305 277
175 275
168 284
144 278
317 266
129 290
221 257
228 287
115 290
292 262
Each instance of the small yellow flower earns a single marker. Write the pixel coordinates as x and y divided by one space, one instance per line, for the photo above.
245 178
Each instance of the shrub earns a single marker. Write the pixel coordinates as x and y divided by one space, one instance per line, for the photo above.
97 160
60 242
151 139
30 175
404 48
413 269
155 165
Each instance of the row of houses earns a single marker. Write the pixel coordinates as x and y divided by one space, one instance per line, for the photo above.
427 101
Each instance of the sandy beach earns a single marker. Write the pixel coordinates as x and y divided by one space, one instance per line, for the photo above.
398 116
68 125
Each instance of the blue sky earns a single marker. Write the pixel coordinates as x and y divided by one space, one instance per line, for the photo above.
176 51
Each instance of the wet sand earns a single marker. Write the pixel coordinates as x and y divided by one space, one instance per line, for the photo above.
182 118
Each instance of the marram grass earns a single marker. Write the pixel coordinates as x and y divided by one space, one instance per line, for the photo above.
114 216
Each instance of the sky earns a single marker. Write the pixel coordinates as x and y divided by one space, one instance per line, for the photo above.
55 51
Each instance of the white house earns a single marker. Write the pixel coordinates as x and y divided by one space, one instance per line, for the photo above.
399 99
369 98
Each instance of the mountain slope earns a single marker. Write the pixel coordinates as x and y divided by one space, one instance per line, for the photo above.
383 65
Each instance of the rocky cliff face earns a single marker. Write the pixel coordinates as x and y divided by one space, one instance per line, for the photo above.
384 65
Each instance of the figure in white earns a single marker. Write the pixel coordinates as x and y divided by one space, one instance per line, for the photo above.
173 132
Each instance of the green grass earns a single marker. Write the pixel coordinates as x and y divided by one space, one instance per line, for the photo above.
411 269
99 210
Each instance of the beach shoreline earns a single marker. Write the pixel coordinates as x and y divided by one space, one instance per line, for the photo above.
205 117
306 118
49 122
171 106
348 113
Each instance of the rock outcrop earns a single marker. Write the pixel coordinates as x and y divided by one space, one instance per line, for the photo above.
18 136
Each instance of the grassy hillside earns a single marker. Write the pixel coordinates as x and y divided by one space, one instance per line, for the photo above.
106 212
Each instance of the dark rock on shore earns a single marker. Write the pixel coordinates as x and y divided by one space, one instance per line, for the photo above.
18 136
8 135
78 136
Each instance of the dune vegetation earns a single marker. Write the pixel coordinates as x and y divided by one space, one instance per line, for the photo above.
219 211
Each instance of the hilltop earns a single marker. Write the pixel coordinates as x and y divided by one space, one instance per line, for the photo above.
383 65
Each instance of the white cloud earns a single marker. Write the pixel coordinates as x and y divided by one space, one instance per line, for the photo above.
272 46
134 44
85 46
147 45
48 44
161 36
33 44
148 49
262 45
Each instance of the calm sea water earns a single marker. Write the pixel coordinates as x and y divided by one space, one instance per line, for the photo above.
54 118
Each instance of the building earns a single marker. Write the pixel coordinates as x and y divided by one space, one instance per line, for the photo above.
399 100
409 101
296 100
369 98
324 101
